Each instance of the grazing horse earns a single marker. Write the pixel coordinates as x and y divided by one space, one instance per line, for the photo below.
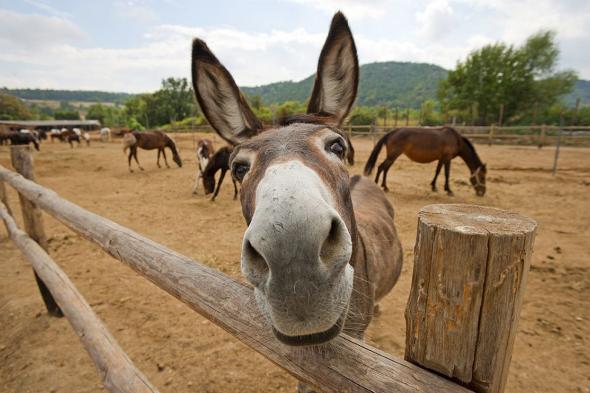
23 138
105 134
205 150
149 141
86 137
218 162
321 248
69 136
425 145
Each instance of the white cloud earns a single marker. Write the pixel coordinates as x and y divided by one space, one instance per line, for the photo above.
353 9
435 20
136 10
43 6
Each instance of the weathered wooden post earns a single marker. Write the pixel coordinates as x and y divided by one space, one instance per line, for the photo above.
32 218
491 135
470 269
542 136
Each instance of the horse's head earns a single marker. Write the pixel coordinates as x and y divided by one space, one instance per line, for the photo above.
177 159
478 180
295 191
208 180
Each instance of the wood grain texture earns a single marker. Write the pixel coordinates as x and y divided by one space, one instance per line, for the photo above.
116 370
4 197
22 162
344 365
470 270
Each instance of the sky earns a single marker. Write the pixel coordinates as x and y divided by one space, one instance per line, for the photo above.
130 46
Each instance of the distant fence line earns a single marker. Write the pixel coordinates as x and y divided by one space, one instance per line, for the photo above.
539 135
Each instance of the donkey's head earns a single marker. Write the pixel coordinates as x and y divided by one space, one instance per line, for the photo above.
295 191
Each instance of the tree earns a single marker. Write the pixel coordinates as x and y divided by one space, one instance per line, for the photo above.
11 108
497 74
66 115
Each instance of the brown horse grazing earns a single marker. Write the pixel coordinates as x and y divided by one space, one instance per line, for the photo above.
427 145
321 248
149 141
218 162
205 151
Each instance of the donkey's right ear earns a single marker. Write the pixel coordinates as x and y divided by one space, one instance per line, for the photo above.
220 99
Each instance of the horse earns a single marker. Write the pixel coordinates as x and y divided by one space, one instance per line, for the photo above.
69 136
218 162
205 150
86 137
105 134
149 141
321 248
425 145
24 138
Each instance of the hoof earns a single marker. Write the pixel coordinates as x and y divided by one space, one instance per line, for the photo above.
434 189
141 168
385 189
450 193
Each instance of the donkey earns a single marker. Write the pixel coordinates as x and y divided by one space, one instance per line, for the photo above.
427 145
321 248
218 162
149 141
205 150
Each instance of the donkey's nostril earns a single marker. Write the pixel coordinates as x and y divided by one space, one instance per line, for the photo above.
332 246
253 264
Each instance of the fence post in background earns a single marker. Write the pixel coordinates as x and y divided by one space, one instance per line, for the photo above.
558 144
372 130
465 300
349 131
395 121
575 116
542 136
32 219
407 117
501 118
491 135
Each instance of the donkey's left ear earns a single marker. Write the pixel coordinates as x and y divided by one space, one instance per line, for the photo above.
220 99
337 77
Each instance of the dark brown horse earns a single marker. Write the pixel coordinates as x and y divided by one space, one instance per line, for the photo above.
218 162
150 141
22 138
425 145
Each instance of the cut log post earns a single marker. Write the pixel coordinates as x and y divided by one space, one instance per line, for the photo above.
346 365
32 219
491 135
117 372
470 269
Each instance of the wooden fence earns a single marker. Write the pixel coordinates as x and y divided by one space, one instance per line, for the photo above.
461 316
541 135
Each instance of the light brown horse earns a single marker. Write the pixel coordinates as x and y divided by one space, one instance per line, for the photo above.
149 141
205 151
318 265
425 145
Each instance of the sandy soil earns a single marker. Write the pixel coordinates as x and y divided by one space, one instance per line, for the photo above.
180 351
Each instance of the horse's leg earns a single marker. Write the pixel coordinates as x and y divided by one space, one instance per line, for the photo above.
165 159
136 160
385 165
129 159
447 174
219 184
235 189
158 162
197 178
438 168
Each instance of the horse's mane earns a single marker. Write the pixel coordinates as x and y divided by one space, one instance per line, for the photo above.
472 149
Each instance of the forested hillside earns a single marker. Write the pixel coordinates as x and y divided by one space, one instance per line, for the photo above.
67 95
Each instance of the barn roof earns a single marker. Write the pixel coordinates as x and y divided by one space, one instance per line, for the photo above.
51 123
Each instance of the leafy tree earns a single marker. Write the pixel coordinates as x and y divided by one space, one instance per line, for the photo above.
363 115
11 108
66 115
498 74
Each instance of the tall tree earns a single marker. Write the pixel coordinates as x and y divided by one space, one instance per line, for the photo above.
498 74
11 108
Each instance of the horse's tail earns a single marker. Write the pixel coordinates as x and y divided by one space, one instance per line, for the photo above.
129 140
375 153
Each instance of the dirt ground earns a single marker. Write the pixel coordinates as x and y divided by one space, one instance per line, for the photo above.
180 351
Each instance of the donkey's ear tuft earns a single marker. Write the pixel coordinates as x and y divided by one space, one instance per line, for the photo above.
337 77
219 97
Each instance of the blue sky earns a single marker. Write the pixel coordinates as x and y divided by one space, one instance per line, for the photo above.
131 45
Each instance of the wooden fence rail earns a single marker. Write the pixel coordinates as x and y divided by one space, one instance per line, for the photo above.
347 365
117 372
470 271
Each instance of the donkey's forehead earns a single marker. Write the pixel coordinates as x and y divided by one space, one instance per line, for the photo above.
294 138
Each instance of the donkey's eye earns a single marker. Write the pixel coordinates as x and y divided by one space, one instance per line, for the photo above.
239 170
337 147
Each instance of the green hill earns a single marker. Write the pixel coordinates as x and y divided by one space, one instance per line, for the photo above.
67 95
581 91
389 83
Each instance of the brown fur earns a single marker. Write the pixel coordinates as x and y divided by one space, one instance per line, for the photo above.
426 145
150 141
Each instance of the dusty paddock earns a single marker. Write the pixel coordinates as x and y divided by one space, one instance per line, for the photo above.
180 351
